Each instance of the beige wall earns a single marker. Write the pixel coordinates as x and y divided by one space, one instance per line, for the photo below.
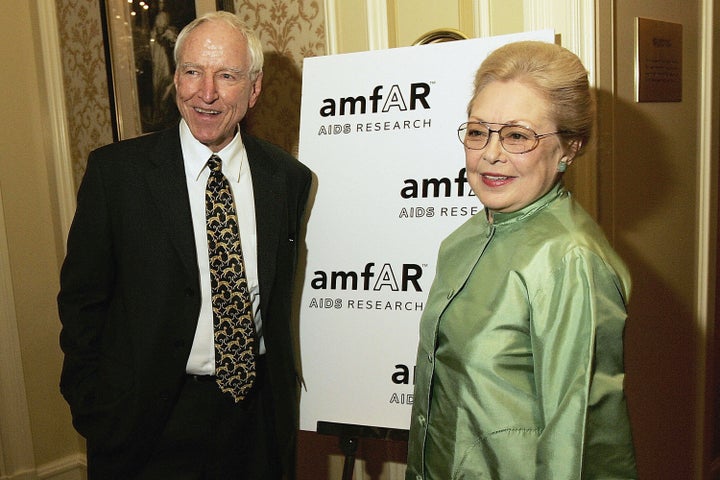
506 16
649 202
30 224
408 20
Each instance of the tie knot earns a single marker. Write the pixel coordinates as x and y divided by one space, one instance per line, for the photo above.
215 164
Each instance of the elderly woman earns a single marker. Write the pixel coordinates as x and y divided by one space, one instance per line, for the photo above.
520 361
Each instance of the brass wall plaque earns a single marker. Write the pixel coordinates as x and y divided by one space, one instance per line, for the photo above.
658 61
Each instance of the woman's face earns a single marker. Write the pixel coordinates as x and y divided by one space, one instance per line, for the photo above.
506 182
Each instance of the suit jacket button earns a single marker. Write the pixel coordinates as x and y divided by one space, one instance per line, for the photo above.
189 292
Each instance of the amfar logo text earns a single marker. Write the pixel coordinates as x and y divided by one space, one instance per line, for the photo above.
370 278
378 101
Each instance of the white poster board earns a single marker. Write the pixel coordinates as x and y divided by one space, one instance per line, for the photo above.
379 130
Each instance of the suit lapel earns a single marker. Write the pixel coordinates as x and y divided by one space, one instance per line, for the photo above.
166 181
269 209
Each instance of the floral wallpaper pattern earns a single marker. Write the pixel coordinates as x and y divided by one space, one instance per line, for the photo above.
85 80
289 29
290 32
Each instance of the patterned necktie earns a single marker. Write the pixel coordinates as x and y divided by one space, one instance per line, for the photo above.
232 310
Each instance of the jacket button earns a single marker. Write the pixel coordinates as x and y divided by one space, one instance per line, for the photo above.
189 292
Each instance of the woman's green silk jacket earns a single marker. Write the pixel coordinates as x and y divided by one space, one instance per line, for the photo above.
520 361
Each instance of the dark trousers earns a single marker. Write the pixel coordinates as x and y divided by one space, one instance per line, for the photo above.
210 437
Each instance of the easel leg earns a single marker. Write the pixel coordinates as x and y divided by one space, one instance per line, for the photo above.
349 445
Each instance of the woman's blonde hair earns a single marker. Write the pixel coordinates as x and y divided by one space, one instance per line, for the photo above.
555 73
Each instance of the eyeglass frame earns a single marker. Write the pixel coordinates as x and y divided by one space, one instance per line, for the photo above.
536 136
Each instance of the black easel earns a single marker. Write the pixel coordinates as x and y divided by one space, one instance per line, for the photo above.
349 438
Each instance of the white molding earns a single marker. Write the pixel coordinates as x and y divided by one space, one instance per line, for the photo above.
59 154
16 446
377 24
331 30
481 18
708 147
72 467
574 20
537 15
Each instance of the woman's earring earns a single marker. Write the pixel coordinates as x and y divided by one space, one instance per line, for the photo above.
562 166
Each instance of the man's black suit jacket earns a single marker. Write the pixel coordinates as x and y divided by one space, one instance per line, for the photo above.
130 290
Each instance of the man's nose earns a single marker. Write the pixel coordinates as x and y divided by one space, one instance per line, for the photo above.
208 89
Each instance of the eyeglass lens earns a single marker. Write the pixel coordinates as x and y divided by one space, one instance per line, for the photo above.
513 138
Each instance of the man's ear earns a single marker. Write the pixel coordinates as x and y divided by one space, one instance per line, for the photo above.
256 89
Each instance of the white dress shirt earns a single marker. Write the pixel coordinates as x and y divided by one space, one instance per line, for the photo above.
236 169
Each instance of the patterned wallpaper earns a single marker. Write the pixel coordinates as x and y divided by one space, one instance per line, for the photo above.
86 89
289 29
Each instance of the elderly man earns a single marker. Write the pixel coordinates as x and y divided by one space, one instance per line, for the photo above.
175 293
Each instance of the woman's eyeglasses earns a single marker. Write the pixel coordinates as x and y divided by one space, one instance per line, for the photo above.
513 138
